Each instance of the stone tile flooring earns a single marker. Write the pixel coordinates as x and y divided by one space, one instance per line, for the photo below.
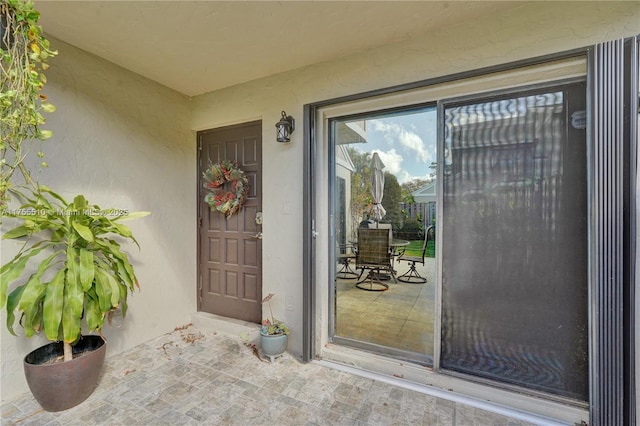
197 376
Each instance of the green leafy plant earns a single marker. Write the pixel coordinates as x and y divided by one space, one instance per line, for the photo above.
70 270
24 52
273 326
81 273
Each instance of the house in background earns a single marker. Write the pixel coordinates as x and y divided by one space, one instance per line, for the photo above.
426 193
147 93
425 200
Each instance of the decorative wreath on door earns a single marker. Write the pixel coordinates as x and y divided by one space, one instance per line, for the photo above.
228 187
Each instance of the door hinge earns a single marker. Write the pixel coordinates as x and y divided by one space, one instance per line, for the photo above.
200 222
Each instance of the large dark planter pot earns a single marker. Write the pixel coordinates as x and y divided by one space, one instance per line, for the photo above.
62 385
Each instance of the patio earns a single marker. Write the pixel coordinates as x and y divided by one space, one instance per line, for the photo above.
403 314
199 376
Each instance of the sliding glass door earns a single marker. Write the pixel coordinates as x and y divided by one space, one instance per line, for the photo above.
485 202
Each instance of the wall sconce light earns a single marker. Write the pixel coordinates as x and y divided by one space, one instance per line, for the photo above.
285 127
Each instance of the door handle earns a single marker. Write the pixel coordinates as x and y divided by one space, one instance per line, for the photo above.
258 236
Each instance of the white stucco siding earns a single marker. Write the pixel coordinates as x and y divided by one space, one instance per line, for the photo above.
124 142
531 30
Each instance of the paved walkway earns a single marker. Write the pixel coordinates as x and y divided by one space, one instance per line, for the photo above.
196 376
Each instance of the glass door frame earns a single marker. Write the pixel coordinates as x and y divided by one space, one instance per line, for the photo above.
316 291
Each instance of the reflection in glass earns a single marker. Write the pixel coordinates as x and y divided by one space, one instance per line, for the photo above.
514 266
401 147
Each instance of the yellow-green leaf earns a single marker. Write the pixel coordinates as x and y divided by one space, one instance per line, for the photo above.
53 306
45 134
83 231
31 321
115 290
122 229
17 232
74 297
29 304
125 278
80 203
87 269
72 312
123 299
32 292
12 304
95 317
71 326
11 271
103 291
132 215
47 107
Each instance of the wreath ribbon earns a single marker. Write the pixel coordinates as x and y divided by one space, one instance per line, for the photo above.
228 187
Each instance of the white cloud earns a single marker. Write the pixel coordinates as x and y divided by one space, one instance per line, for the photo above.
412 141
415 143
403 177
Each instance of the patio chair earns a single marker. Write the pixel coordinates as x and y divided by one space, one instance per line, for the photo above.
374 255
386 226
345 254
412 276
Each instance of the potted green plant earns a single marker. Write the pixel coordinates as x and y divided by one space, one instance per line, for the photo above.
79 276
274 334
70 269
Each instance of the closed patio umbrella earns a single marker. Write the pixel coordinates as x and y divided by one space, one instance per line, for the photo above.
377 187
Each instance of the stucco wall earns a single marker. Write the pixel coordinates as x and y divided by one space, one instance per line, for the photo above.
124 142
127 142
531 30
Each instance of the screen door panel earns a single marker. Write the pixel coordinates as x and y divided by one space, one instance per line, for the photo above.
514 230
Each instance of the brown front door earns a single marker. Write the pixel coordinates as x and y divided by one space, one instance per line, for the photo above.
230 249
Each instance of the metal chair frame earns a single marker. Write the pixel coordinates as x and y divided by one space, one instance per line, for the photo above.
344 259
412 276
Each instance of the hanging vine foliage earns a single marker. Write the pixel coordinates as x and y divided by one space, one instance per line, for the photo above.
24 52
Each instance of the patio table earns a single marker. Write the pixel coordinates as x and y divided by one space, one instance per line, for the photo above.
395 252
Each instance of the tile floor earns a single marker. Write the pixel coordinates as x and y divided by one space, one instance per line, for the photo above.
197 376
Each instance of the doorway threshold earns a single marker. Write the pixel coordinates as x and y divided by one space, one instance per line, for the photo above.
420 379
224 324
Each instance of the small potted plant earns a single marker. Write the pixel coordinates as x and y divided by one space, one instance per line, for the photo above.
274 334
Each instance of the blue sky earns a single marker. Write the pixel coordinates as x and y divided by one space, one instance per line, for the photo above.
406 143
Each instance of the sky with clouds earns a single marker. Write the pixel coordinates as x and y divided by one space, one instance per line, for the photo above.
405 142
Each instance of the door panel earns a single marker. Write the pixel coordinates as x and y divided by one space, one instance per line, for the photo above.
405 313
514 229
230 252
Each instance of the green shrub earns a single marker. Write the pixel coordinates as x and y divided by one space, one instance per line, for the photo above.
412 230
